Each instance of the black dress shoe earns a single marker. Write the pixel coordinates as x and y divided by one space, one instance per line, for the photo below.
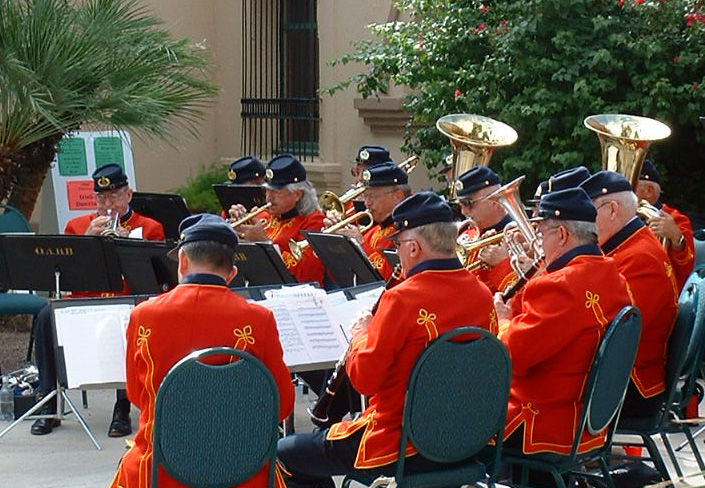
121 425
44 426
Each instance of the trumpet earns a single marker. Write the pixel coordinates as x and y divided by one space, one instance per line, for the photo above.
111 227
297 248
250 215
329 201
466 250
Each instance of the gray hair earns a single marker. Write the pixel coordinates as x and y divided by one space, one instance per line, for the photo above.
308 203
626 199
584 232
440 236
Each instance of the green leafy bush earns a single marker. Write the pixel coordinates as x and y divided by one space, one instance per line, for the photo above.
198 191
542 66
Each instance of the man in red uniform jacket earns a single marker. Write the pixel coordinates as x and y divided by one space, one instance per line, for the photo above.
671 224
200 312
652 283
386 184
385 346
294 208
489 217
564 313
113 196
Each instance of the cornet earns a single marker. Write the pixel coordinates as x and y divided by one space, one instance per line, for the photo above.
297 248
329 201
111 226
466 250
251 215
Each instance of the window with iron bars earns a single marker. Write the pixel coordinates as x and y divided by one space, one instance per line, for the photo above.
280 77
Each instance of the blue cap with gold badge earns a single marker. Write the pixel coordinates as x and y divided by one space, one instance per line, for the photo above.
475 179
284 170
109 177
384 174
569 178
370 155
421 209
205 227
569 204
245 168
604 183
649 172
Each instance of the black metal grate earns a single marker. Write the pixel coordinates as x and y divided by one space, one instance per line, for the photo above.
280 106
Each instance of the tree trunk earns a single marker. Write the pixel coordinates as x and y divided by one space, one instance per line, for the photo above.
28 170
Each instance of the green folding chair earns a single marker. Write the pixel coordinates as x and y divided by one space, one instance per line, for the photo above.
604 394
215 425
456 402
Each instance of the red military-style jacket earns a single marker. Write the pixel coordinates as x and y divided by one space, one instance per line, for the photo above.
381 358
644 263
500 276
200 312
375 241
683 260
151 231
289 226
552 343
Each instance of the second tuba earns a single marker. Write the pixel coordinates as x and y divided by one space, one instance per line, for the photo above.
473 139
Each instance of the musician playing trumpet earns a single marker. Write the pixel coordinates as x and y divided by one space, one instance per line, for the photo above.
490 217
293 208
385 346
386 185
563 313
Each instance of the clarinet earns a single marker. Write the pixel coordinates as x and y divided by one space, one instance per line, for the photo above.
319 411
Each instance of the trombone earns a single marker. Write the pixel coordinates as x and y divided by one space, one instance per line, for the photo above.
250 215
329 201
297 248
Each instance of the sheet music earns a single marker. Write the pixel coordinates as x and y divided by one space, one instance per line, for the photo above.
308 331
94 342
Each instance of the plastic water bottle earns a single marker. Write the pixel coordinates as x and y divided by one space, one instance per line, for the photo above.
7 400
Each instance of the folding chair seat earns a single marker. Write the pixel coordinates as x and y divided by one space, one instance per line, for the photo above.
192 443
604 394
456 402
685 353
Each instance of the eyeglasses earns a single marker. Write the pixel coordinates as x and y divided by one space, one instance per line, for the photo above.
367 195
469 203
110 195
397 242
603 204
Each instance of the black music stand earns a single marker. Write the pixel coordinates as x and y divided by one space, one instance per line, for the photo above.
146 267
59 263
344 259
392 257
258 263
246 195
169 209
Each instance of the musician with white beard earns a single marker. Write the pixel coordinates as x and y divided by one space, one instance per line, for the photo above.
385 346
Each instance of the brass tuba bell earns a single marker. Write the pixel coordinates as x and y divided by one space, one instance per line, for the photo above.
473 139
625 140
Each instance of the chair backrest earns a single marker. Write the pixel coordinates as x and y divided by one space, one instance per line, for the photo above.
610 372
457 396
12 220
694 292
215 425
699 240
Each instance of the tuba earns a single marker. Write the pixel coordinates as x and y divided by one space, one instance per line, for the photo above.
625 140
473 139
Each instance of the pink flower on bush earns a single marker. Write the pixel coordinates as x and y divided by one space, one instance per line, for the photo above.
483 9
638 2
696 85
457 93
620 3
676 58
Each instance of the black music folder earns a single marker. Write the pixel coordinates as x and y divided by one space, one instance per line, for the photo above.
169 209
258 263
392 257
344 259
146 267
59 263
246 195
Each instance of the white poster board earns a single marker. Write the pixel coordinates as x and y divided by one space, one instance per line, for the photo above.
70 186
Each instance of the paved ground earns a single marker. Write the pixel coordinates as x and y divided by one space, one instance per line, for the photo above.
67 458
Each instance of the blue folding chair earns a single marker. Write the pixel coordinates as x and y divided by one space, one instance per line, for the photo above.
604 394
192 441
456 402
685 352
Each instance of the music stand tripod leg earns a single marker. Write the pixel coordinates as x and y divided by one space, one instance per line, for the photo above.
80 419
31 411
